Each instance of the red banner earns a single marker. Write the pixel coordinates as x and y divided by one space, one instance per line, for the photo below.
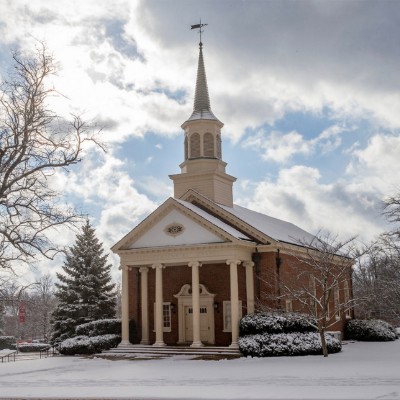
22 312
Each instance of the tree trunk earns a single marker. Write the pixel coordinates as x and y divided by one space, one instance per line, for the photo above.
323 341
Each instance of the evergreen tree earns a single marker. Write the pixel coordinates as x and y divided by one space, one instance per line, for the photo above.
85 292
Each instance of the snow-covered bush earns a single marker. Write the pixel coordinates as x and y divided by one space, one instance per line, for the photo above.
88 345
7 342
106 327
372 330
99 327
276 322
28 347
289 344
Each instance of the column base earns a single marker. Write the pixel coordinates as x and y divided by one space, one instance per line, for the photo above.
197 344
125 343
159 344
145 341
234 345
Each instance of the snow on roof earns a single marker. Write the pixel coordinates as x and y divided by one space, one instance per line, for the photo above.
275 228
217 222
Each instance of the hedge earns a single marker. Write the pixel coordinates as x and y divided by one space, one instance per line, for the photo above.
276 322
28 347
106 327
88 345
286 344
372 330
7 342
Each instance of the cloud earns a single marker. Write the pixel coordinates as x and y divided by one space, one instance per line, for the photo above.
101 181
298 196
281 147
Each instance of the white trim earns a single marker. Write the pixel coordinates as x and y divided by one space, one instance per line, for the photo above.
165 305
184 297
226 309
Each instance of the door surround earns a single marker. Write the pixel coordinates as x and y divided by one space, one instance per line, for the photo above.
184 297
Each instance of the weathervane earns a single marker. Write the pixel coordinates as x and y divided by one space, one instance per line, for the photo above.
199 26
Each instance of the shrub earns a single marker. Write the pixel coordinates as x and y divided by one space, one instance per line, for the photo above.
289 344
106 327
100 327
28 347
88 345
7 342
276 322
76 345
372 330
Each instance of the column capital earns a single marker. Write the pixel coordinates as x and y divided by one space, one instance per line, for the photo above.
143 270
249 264
194 264
234 262
124 267
160 266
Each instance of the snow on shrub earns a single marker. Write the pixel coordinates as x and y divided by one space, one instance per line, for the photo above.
7 342
372 330
88 345
28 347
289 344
106 327
276 322
99 327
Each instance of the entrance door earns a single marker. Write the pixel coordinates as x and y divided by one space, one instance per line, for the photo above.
185 315
204 324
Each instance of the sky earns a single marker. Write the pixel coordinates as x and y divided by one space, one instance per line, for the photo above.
308 92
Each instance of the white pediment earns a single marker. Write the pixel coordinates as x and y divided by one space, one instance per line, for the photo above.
174 229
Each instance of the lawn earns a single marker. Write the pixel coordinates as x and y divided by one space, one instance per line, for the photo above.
360 371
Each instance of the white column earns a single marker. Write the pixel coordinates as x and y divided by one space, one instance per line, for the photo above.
144 304
196 303
234 301
249 286
125 307
159 306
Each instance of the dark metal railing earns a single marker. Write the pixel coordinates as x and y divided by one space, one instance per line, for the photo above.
8 357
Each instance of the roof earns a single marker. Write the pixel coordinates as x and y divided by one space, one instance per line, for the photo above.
275 228
201 107
214 220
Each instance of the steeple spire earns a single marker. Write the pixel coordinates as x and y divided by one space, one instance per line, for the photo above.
201 108
203 169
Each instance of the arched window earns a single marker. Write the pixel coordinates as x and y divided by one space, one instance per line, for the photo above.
186 148
208 149
219 151
195 145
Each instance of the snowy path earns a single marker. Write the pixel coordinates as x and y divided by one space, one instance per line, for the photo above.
361 371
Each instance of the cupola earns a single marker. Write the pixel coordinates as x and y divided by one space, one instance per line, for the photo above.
203 169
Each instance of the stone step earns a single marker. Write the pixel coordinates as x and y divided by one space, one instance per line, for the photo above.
147 350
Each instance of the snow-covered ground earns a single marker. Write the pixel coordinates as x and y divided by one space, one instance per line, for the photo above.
360 371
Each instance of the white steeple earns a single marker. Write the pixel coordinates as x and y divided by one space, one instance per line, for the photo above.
203 169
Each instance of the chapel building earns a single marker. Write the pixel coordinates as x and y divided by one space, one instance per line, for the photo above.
199 262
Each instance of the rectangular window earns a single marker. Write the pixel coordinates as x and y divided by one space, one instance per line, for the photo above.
166 316
289 305
347 299
313 292
337 301
227 315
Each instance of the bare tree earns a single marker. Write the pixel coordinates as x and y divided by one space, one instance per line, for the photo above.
377 279
34 143
318 280
43 303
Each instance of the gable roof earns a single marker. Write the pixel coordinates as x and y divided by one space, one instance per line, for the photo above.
277 229
257 225
215 225
214 220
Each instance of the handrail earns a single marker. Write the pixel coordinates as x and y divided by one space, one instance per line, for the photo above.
7 356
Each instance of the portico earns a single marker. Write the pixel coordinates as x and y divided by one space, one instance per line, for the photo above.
194 303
